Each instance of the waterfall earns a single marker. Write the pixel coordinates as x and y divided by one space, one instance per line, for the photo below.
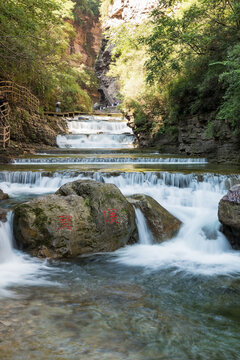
93 127
97 132
193 198
40 182
95 141
110 160
17 268
6 239
144 233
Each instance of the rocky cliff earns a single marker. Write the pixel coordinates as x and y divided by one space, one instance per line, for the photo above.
124 11
85 44
119 12
87 40
198 135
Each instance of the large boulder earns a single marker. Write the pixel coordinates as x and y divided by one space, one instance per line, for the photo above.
83 216
229 216
3 215
162 224
3 195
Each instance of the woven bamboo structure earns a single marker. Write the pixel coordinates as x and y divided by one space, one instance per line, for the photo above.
4 125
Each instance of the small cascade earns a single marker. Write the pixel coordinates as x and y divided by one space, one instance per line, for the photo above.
98 133
15 182
144 233
93 127
193 198
110 160
17 268
6 240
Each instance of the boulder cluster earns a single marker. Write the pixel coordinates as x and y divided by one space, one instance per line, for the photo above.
86 216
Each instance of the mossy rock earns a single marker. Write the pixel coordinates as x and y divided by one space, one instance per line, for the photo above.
162 224
84 207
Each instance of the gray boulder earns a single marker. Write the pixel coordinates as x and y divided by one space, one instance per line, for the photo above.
3 195
3 215
229 216
82 217
162 224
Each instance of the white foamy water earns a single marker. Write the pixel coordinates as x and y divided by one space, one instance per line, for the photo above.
95 141
16 268
144 233
109 160
94 127
198 248
97 132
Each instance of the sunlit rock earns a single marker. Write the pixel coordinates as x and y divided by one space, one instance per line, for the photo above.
229 216
162 224
83 216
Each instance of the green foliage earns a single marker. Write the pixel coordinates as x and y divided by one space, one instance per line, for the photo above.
140 116
105 7
34 51
209 131
185 42
129 57
230 109
85 7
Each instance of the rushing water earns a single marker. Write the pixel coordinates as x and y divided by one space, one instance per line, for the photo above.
97 132
109 160
177 300
144 233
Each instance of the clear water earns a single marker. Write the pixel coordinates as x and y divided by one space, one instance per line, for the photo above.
178 300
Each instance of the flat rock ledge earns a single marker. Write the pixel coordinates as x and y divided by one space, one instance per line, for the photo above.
162 224
83 216
229 216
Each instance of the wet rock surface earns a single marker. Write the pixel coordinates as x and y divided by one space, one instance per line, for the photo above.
229 216
3 215
163 225
82 217
3 195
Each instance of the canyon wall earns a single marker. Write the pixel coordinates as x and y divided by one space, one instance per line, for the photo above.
86 43
119 12
87 40
194 137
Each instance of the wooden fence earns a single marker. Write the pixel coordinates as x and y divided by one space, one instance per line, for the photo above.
4 125
15 93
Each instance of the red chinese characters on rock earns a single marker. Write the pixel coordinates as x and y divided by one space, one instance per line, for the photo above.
65 221
110 216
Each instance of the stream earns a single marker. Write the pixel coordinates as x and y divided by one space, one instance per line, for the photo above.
178 300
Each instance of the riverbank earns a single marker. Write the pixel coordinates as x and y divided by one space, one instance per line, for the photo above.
132 303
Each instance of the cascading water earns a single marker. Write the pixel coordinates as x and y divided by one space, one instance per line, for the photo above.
144 233
97 132
110 160
147 293
94 127
6 242
17 268
199 247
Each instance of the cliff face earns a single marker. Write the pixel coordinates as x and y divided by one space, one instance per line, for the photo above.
119 12
124 11
86 43
193 138
87 40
